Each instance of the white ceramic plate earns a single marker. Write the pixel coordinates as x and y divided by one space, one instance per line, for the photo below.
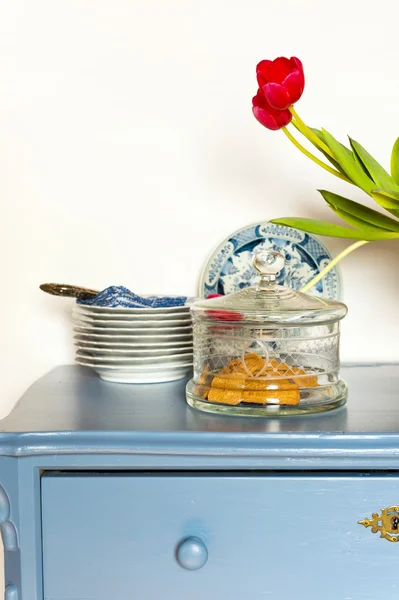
136 340
104 341
132 331
126 324
137 352
147 360
134 311
139 374
83 313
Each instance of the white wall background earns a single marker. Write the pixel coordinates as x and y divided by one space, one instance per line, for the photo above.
127 138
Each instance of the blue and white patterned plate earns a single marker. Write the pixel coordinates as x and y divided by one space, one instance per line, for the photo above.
230 268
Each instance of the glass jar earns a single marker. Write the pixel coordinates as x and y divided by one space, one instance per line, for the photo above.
266 350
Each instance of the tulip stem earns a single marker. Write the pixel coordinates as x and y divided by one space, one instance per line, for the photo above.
312 157
332 264
308 133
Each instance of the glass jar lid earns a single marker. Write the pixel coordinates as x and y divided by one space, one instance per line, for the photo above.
268 302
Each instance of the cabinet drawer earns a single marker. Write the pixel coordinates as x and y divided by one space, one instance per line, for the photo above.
281 537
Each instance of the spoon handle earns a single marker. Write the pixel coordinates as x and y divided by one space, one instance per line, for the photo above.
68 291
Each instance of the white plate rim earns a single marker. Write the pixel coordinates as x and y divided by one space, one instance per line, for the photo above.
126 310
137 367
184 349
176 336
133 344
127 317
113 331
124 324
138 361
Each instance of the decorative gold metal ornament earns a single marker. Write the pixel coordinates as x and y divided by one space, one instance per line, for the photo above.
387 523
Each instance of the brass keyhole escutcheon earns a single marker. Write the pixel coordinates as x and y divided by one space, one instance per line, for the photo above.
387 523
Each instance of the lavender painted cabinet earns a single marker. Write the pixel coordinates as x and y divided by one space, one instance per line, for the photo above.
124 492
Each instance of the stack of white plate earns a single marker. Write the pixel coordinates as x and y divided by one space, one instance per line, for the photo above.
134 345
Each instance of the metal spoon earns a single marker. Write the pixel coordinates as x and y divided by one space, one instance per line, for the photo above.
68 291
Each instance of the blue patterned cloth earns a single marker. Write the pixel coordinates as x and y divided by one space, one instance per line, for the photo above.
120 296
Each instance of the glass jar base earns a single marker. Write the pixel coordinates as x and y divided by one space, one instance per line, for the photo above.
337 396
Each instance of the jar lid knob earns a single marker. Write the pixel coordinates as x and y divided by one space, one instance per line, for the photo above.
268 263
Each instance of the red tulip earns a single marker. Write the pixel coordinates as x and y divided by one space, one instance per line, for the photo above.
269 117
281 81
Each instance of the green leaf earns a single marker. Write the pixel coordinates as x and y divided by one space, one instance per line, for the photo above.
361 165
355 221
319 134
375 170
331 230
342 147
386 198
362 216
348 163
393 194
395 161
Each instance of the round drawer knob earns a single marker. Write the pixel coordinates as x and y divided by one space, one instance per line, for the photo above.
192 554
